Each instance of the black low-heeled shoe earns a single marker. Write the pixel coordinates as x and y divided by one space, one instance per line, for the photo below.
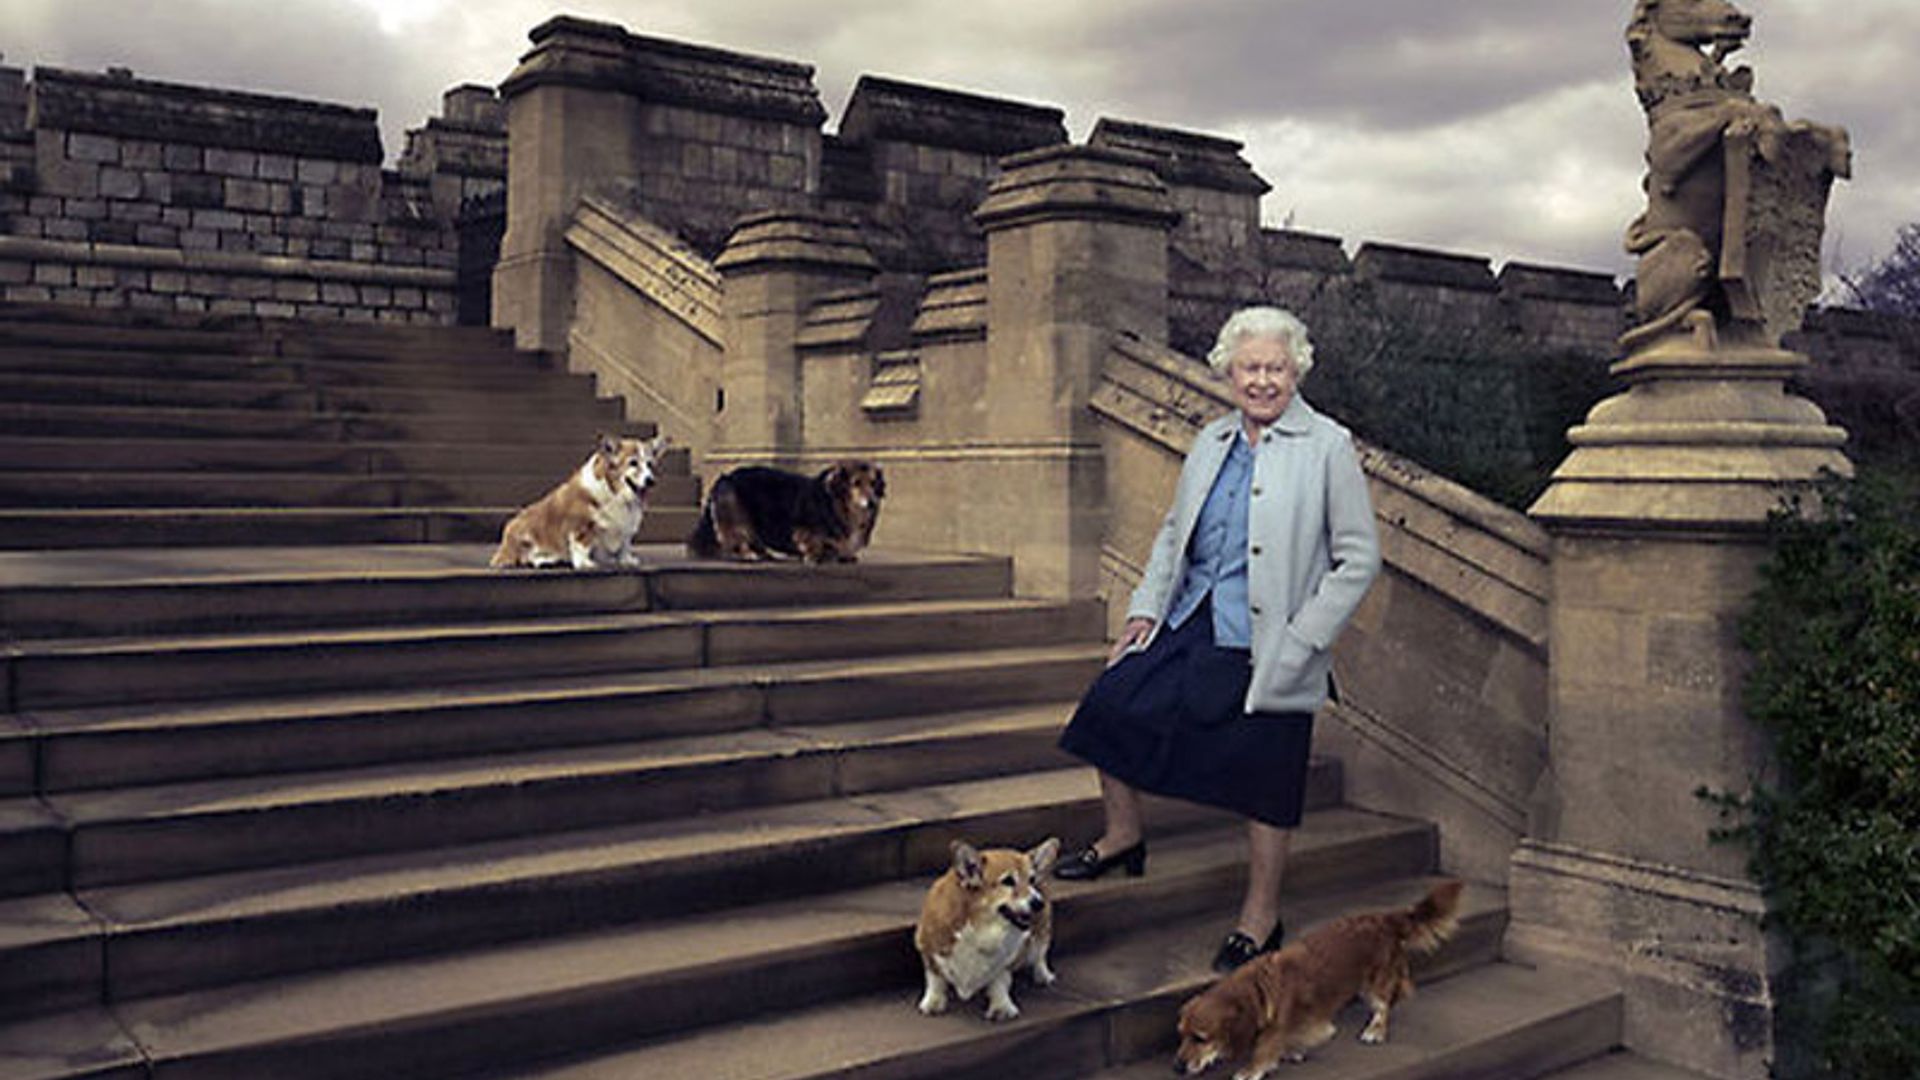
1086 864
1237 948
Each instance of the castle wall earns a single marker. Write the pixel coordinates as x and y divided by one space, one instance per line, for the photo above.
157 196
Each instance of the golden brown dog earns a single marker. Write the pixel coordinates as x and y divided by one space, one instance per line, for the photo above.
590 518
984 919
754 511
1282 1004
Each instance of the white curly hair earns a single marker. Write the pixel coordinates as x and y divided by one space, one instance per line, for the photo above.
1263 322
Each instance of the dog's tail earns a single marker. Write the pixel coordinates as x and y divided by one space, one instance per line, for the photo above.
1434 919
703 542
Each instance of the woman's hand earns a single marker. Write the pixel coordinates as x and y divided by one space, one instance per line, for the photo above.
1132 636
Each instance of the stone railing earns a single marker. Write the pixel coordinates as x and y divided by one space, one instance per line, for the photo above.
1442 674
646 321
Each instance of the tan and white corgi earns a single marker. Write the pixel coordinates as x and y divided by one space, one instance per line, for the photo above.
590 519
984 919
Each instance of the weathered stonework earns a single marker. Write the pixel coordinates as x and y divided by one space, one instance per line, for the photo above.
191 196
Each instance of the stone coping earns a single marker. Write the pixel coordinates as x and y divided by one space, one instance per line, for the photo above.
883 109
29 249
128 107
1187 158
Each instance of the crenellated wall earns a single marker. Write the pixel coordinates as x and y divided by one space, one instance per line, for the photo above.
128 192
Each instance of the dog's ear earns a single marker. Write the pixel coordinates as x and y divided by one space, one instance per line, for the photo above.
836 479
879 483
968 866
1042 857
607 445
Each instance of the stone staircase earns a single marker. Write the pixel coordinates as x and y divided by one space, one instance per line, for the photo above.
172 433
371 810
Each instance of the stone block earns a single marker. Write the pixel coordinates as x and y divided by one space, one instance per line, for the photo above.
92 277
30 294
298 226
363 251
198 190
61 175
440 301
243 164
339 292
191 304
15 272
67 229
52 274
157 185
376 295
168 281
140 213
73 296
129 277
407 296
276 167
118 183
46 206
313 201
283 200
252 288
269 245
299 246
317 171
296 289
228 305
182 157
248 195
236 241
146 301
199 240
157 235
217 220
177 216
82 146
142 154
273 309
317 311
86 209
207 284
328 249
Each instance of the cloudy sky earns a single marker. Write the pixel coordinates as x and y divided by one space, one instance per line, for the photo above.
1500 127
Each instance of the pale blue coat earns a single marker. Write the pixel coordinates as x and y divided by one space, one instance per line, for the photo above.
1311 548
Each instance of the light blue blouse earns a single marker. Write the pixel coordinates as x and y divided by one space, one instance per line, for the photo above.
1217 556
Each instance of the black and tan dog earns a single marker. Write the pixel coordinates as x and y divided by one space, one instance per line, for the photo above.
754 512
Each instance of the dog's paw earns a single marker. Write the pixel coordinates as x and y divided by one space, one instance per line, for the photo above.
1044 975
932 1004
1372 1037
1006 1010
1253 1073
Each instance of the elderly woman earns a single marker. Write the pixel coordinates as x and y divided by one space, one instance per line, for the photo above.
1210 692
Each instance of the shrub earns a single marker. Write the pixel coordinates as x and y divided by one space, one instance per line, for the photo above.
1835 635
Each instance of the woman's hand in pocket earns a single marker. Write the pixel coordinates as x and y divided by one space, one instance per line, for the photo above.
1133 636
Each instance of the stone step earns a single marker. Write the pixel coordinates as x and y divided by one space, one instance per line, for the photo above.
104 329
66 455
534 396
1112 1014
490 369
516 1006
1624 1065
51 490
498 423
199 590
131 670
285 526
117 746
172 936
126 835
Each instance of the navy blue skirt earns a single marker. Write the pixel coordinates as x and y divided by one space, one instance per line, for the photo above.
1171 720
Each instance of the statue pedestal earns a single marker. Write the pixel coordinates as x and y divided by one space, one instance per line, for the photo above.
1657 521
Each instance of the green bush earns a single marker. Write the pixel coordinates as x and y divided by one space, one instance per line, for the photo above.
1834 631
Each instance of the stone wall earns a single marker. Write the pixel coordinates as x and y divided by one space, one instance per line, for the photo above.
157 196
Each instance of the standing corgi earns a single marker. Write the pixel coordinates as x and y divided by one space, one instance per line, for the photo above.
983 919
590 519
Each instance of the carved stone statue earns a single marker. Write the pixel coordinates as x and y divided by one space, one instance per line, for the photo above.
1729 243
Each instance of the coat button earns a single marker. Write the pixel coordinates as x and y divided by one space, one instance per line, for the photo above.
1255 609
1255 550
1256 490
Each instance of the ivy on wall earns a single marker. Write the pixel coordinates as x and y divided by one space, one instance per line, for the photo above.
1835 635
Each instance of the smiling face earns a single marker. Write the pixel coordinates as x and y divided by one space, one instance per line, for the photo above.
1263 378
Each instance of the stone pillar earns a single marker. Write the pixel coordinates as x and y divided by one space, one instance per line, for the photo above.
570 129
1076 253
773 268
1656 519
